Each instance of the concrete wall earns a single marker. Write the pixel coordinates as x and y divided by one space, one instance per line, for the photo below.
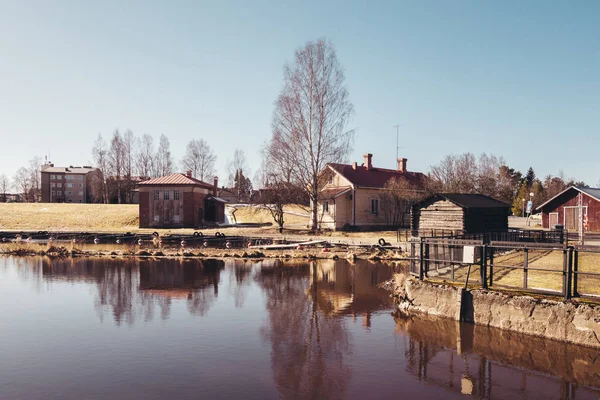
567 322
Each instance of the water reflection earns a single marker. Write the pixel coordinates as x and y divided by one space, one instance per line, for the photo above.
490 363
132 289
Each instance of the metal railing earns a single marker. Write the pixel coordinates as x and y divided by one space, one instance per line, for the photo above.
544 268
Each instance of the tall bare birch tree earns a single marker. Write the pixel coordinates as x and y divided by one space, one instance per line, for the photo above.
310 117
200 159
100 154
145 157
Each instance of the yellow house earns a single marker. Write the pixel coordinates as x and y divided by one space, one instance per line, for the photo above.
352 195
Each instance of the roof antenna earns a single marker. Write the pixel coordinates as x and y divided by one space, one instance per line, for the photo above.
397 143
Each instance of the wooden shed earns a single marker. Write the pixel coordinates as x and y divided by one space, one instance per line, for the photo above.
563 209
459 213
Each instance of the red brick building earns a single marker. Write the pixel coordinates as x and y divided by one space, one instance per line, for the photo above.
563 209
179 201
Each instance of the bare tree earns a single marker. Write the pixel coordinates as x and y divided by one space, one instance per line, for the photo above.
236 165
145 157
200 159
22 183
129 144
397 199
455 174
310 117
35 178
116 160
101 159
4 185
164 160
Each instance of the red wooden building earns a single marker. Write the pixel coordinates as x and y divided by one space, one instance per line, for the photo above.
563 209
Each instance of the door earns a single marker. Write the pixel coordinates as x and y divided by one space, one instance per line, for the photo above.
572 218
553 219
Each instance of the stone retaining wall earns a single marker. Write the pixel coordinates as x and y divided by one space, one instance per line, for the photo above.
565 321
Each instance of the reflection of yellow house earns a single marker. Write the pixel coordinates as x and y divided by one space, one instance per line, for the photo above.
344 288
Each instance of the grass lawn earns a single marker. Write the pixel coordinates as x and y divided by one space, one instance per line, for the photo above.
124 218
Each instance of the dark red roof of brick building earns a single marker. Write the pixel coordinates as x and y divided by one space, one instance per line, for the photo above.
176 179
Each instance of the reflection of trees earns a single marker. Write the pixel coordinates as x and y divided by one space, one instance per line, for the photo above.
308 347
241 272
129 295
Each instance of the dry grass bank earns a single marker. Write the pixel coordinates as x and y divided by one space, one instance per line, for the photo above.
68 217
124 218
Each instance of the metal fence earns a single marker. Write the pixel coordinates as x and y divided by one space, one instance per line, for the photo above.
546 268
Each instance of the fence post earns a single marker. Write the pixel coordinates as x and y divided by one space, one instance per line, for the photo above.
565 271
525 266
568 293
575 272
491 251
421 249
483 266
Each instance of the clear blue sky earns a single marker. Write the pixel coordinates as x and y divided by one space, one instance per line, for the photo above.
519 79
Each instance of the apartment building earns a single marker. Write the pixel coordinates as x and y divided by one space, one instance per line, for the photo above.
65 184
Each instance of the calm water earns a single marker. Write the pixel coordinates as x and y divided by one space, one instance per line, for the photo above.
190 329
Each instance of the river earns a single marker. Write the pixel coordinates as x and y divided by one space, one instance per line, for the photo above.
112 328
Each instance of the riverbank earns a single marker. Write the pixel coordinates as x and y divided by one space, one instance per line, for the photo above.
570 322
122 218
310 253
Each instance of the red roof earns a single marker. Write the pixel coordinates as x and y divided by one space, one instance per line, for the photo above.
176 179
375 177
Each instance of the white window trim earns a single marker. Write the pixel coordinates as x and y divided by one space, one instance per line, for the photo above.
371 206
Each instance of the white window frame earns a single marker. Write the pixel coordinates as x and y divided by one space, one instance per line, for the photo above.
377 208
156 195
176 195
53 177
166 195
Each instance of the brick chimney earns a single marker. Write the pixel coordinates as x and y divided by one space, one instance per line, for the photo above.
215 185
188 173
368 157
354 165
402 164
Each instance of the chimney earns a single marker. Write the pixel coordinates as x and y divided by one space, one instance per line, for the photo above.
188 173
402 164
215 185
354 165
368 158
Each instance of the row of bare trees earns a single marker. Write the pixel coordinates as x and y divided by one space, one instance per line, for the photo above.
126 159
26 182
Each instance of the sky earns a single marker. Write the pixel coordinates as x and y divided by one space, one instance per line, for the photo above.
518 79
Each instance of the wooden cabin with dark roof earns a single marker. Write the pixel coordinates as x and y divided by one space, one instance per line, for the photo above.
459 214
351 195
179 201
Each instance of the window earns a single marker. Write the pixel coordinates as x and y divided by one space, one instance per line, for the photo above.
326 206
331 179
59 184
80 193
52 177
59 192
69 185
53 193
80 177
375 206
81 185
156 195
176 195
69 177
166 196
69 193
59 177
52 184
